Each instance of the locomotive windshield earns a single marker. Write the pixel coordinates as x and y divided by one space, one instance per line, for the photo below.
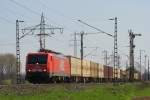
37 59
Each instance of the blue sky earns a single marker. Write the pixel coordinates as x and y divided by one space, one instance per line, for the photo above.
132 14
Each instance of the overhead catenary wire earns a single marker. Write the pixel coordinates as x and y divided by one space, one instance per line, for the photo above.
91 52
13 44
101 31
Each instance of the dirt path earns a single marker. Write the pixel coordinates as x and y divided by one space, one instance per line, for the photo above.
141 98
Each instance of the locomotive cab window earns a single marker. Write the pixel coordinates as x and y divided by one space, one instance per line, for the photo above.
37 59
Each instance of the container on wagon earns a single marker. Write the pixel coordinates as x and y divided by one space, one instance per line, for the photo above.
100 71
75 64
94 69
116 72
108 72
86 68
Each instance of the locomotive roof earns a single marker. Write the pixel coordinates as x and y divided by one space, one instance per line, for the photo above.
45 51
49 51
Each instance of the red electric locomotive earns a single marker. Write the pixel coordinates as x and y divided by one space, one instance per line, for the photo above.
46 65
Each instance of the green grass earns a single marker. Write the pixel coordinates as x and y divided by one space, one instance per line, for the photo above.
75 92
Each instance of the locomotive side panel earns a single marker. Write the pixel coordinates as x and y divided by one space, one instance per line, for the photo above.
49 64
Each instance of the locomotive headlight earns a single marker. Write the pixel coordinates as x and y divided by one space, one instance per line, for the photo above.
29 70
44 70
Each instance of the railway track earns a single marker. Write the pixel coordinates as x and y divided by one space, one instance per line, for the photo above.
53 85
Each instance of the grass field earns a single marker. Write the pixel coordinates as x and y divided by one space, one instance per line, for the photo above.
75 92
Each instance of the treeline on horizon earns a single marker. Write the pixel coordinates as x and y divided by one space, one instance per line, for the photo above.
7 68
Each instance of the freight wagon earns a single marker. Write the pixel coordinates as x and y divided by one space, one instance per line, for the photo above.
75 65
94 71
123 75
116 73
136 76
100 72
86 70
108 73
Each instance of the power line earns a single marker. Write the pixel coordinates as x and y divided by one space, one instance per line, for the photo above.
36 13
16 13
25 7
30 10
6 20
58 12
71 19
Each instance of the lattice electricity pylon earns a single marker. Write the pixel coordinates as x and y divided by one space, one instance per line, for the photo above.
42 27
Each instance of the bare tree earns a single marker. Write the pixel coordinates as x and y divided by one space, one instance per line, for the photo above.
7 66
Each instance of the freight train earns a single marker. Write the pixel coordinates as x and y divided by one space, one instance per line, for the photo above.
50 66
